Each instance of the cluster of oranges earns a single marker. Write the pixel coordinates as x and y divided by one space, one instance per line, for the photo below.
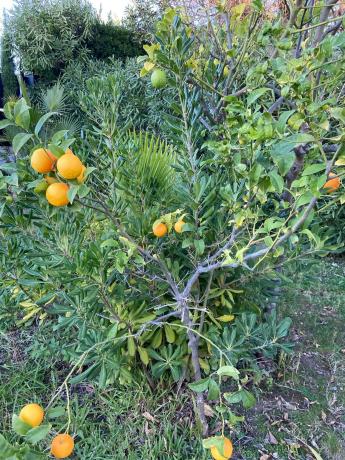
160 229
67 167
62 445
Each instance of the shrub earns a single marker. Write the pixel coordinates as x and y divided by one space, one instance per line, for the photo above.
49 35
108 40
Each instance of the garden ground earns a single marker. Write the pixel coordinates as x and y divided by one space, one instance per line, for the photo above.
299 414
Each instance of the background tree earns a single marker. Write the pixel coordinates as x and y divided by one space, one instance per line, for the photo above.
142 15
9 80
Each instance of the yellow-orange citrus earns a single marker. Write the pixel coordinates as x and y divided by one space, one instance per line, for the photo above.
32 414
69 166
43 161
228 449
62 446
179 226
56 194
160 230
332 184
81 177
50 179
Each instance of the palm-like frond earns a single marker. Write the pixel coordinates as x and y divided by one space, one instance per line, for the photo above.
154 161
54 99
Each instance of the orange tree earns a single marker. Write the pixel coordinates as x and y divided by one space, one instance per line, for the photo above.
178 225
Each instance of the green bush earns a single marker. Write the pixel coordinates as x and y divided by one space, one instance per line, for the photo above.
108 40
49 35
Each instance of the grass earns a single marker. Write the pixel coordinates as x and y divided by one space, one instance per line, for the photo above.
300 409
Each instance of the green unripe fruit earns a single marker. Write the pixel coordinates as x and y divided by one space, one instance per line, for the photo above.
158 79
9 199
41 187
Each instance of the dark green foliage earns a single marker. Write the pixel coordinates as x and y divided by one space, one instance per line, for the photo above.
108 40
9 80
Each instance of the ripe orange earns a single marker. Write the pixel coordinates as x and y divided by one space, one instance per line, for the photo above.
32 414
42 160
228 449
332 184
160 230
81 177
179 226
62 446
69 166
56 194
50 179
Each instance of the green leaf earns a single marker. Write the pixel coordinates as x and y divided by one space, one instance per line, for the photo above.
338 113
200 385
59 135
83 190
199 246
5 123
22 114
72 192
19 141
304 199
248 399
313 169
144 356
283 152
19 426
233 398
256 94
38 433
42 120
12 179
229 371
56 150
213 390
102 378
277 181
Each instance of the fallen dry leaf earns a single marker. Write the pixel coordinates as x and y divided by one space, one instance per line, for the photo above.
149 417
209 412
270 439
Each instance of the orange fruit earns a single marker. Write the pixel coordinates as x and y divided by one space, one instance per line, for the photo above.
69 166
179 226
160 230
228 449
50 179
43 161
62 446
56 194
332 184
81 177
32 414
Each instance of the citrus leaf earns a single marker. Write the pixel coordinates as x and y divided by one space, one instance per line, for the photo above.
42 120
229 371
38 433
19 141
19 426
